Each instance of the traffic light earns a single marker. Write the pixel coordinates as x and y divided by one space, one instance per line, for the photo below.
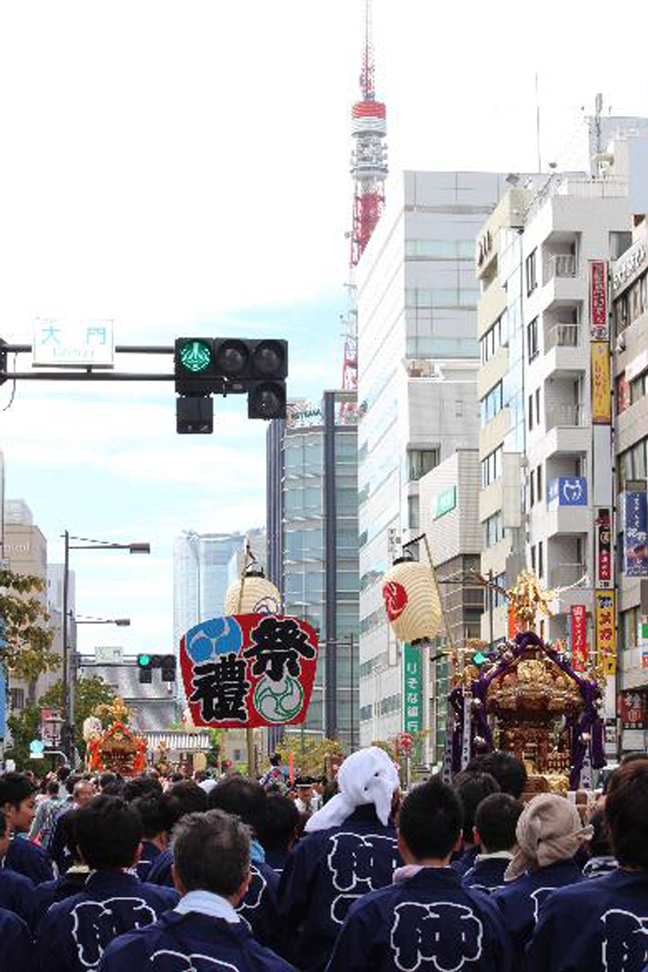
228 366
146 663
145 669
479 658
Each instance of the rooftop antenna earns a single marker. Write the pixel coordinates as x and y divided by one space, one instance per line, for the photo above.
598 111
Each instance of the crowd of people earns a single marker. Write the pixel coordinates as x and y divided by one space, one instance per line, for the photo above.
201 874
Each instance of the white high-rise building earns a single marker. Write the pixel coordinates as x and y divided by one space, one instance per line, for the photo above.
200 577
418 359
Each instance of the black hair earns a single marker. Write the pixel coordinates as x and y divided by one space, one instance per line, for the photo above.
116 788
211 852
496 820
141 786
106 778
472 788
108 833
430 819
246 798
71 781
3 825
68 827
599 845
62 773
275 759
507 769
14 788
52 788
626 812
280 824
180 799
150 808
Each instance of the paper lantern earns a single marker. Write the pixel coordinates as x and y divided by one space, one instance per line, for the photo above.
411 601
259 596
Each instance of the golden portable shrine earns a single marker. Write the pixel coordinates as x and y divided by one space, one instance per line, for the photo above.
525 697
117 748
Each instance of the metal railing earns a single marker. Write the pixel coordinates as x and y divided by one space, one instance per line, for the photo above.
565 415
559 265
562 336
564 575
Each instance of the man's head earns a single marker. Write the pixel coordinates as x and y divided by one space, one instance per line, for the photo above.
275 760
141 786
69 834
472 788
105 779
304 786
510 773
4 836
495 822
429 823
108 833
151 811
281 823
182 798
52 788
18 801
246 798
211 852
83 793
626 811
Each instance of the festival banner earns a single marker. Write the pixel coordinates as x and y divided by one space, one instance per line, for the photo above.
635 534
601 393
412 689
604 562
598 301
605 633
579 637
248 670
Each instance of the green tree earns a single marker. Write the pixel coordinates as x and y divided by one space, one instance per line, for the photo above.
26 636
89 693
311 755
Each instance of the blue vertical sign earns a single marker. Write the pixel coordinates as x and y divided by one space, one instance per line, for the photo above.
635 534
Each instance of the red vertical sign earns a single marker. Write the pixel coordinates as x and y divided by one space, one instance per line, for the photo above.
579 637
603 548
598 301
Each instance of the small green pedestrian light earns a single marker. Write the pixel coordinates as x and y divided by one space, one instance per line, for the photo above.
196 356
143 660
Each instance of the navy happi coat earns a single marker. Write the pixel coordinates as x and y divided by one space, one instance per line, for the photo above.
425 922
17 953
191 943
600 925
326 872
73 933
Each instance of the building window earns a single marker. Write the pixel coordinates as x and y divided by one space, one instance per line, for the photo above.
632 463
533 559
539 484
491 467
530 413
17 698
532 338
420 462
494 338
492 403
540 560
622 394
493 529
537 405
637 388
532 487
413 517
531 272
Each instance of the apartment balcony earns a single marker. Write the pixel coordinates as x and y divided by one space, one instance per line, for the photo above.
559 265
565 575
565 521
492 303
559 335
565 416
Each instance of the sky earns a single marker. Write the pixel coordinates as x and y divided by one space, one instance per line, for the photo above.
181 169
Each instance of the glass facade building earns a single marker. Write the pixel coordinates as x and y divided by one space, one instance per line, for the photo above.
312 521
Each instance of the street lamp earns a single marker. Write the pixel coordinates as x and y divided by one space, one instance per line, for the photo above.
82 543
120 622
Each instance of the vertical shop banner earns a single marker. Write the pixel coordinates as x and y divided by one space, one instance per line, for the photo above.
605 633
604 561
598 301
601 392
412 689
633 710
635 534
579 637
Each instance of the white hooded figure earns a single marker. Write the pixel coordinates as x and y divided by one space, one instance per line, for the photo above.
366 776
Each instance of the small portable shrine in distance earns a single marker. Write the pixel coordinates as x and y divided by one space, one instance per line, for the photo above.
117 748
528 700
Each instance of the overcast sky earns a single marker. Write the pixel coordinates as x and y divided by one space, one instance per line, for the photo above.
182 168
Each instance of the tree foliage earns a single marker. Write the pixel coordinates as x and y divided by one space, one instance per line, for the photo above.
26 636
24 726
89 693
311 756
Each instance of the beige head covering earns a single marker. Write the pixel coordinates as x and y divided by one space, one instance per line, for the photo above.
549 830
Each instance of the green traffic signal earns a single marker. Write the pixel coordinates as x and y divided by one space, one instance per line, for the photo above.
479 658
143 660
196 356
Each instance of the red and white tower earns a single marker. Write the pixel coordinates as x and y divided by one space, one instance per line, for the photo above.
369 171
369 157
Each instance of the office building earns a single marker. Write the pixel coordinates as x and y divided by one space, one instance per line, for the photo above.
312 524
417 391
255 542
